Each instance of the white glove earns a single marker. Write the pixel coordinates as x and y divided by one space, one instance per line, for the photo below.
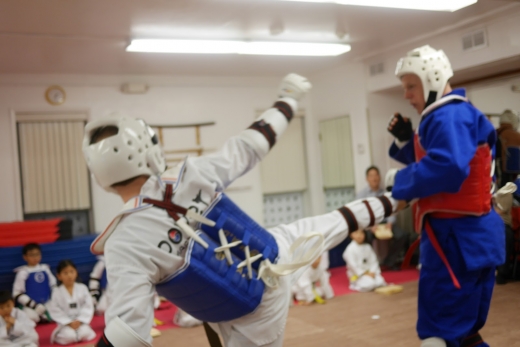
40 309
503 197
509 188
294 86
390 179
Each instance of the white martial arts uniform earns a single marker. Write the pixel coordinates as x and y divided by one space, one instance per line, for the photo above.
19 288
361 259
304 286
65 308
140 252
21 334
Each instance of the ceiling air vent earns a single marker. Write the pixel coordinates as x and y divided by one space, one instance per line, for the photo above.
377 69
474 40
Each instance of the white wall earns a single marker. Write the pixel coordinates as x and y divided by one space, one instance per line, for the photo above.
381 106
503 32
495 97
231 103
341 92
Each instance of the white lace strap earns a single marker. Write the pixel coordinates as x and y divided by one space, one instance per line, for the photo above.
191 233
270 272
226 246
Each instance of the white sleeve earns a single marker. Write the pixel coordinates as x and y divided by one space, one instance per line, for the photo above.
3 329
95 276
86 311
56 308
354 261
242 152
374 263
52 280
129 274
23 325
19 283
19 289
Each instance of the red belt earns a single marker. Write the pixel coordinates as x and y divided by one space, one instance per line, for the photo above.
438 249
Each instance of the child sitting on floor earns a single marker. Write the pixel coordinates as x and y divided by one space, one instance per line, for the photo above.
306 290
33 283
71 307
16 328
363 269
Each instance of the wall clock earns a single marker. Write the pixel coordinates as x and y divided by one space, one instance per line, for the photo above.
55 95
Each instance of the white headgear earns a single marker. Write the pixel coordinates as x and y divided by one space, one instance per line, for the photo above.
509 117
132 152
433 68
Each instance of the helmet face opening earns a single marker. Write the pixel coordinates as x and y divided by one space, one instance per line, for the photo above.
102 133
433 68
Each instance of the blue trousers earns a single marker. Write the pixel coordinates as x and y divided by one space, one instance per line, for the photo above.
445 311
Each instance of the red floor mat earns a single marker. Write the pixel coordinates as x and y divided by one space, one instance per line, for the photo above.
338 280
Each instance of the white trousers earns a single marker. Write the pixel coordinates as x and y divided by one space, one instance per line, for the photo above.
367 284
64 334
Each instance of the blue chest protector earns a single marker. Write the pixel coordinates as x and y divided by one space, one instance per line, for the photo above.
208 287
37 287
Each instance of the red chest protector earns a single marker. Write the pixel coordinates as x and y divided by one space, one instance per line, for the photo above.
473 198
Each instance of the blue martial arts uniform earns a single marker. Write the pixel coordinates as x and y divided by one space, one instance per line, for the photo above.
473 245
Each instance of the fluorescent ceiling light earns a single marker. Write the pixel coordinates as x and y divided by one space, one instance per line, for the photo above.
237 47
428 5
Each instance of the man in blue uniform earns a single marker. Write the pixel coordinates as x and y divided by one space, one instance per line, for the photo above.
449 172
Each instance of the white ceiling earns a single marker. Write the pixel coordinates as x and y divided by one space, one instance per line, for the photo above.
89 37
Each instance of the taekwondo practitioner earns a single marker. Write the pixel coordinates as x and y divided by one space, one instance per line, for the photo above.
16 328
33 284
449 172
306 289
228 272
71 307
363 271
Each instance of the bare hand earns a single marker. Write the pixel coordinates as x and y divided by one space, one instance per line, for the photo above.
9 322
316 263
401 205
75 324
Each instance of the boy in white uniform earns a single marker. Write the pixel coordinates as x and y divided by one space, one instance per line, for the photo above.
363 269
33 283
147 246
306 290
16 329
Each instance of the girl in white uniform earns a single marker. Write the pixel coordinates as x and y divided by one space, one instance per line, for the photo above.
144 248
71 307
363 269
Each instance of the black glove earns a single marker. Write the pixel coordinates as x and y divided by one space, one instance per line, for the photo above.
402 130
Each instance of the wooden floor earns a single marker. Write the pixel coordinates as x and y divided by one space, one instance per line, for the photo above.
348 321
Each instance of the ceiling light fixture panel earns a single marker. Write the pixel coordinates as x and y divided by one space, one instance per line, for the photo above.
237 47
425 5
